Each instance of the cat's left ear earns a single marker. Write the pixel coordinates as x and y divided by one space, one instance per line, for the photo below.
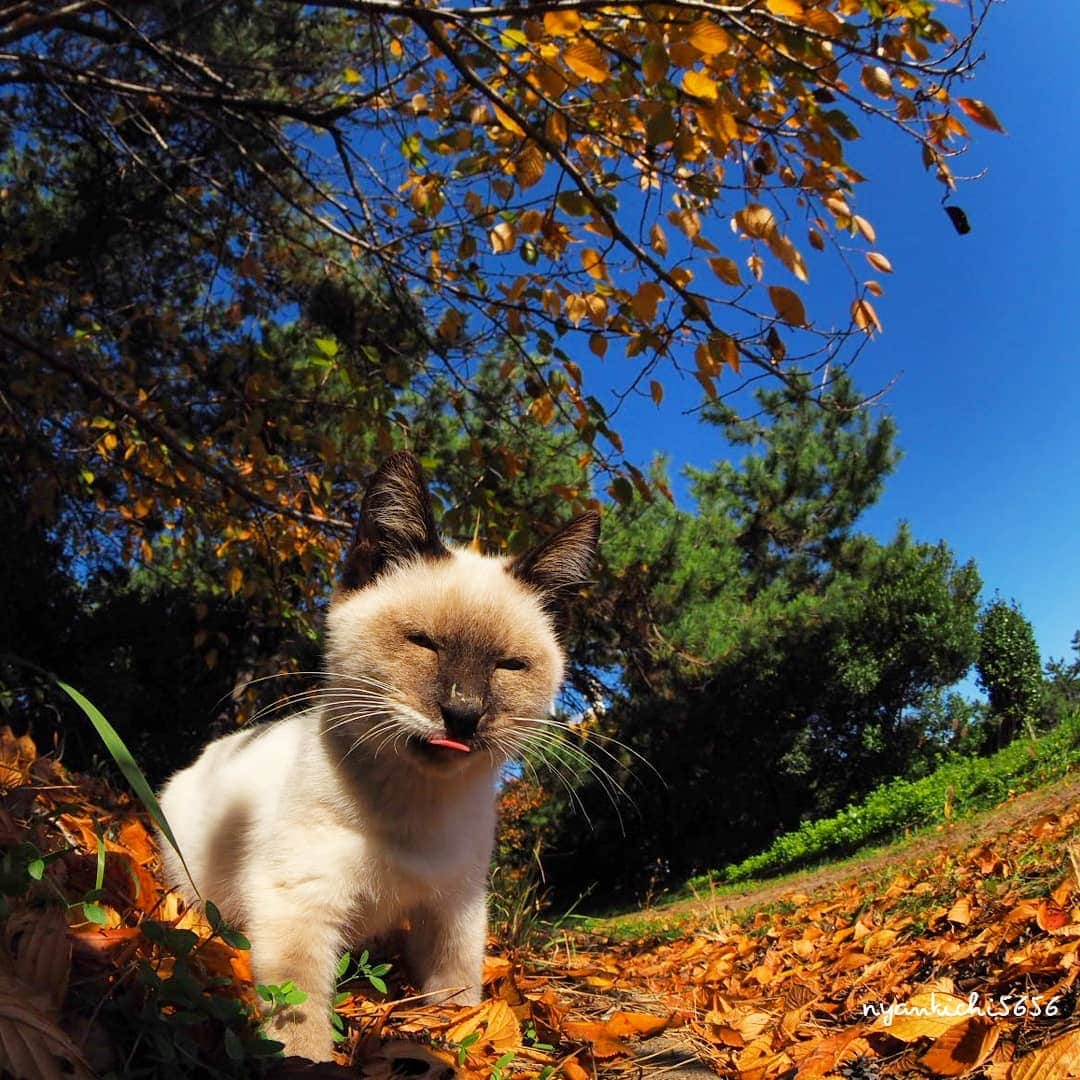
562 562
396 523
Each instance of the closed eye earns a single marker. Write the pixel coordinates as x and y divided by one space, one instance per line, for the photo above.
513 663
423 641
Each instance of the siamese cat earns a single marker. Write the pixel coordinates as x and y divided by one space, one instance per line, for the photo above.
377 806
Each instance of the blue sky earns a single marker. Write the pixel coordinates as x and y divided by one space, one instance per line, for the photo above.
980 332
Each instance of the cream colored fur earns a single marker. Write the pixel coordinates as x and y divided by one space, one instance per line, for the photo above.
314 844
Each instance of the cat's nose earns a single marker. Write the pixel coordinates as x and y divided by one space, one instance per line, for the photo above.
462 717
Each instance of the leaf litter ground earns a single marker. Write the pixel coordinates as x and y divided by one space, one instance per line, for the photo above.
953 955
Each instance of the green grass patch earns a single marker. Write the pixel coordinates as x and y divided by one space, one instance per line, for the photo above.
958 788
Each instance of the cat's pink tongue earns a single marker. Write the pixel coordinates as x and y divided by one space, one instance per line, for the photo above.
450 744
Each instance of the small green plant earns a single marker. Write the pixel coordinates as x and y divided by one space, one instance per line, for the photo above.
280 998
348 971
532 1039
497 1068
462 1047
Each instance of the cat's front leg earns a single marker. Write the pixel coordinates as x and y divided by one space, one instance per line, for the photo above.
445 948
289 944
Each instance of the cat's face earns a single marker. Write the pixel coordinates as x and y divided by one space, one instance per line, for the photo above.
442 656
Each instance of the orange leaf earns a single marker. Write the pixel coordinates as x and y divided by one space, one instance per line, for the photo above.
980 112
698 84
962 1048
656 391
593 264
235 580
1051 916
926 1015
960 912
1061 1058
587 62
497 1025
562 23
726 270
708 38
879 262
876 79
790 9
646 300
788 305
866 318
756 220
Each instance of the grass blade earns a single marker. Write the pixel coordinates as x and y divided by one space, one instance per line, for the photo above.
126 764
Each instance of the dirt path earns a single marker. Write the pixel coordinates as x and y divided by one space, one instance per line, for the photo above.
983 825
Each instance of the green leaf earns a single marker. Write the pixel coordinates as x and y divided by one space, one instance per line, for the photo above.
95 913
378 983
35 868
213 916
327 346
231 936
234 1048
99 879
343 964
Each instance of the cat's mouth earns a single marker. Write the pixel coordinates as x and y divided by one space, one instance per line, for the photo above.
450 744
441 751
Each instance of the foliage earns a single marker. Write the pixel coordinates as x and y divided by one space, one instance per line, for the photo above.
956 788
1009 667
773 660
1061 693
241 240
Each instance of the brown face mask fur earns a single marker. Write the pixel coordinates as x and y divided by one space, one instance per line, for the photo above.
377 806
458 645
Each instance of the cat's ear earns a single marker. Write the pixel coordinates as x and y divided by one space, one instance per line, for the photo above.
561 562
396 522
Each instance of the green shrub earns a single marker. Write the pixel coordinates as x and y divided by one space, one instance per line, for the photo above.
957 787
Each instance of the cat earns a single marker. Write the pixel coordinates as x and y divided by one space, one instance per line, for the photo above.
378 805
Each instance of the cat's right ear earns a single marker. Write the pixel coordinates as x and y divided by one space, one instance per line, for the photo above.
396 523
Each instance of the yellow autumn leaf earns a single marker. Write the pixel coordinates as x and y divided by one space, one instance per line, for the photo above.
755 220
788 305
980 112
789 9
656 391
592 262
726 270
866 318
563 23
508 122
502 237
926 1015
864 227
646 300
962 1048
879 262
876 79
235 580
719 123
658 239
700 85
587 62
708 38
1060 1058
